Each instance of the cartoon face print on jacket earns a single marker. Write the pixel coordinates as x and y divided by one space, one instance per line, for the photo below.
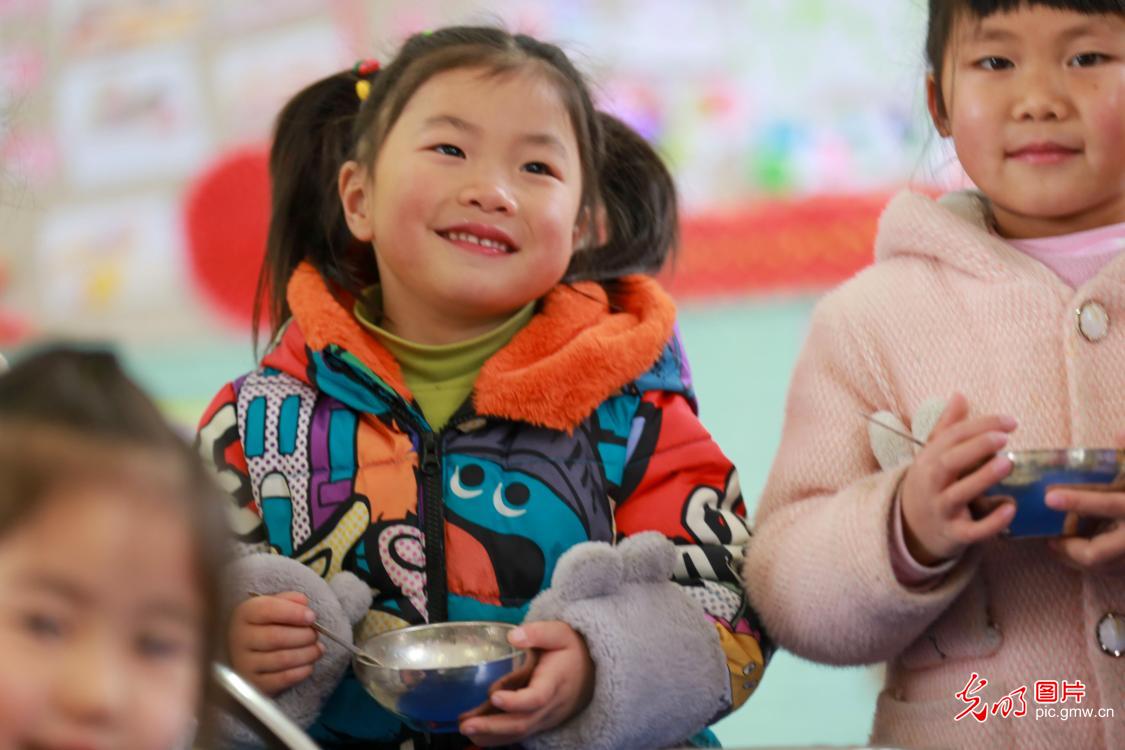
511 513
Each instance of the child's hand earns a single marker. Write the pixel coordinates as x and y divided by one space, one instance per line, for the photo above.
271 643
561 686
1105 551
947 476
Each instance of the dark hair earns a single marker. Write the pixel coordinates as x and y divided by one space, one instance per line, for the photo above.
944 14
627 193
70 417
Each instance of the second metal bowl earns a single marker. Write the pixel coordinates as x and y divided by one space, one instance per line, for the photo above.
1036 471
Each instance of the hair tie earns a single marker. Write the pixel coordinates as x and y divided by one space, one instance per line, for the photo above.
364 68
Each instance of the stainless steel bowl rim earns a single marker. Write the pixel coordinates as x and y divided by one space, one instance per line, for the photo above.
441 626
1056 456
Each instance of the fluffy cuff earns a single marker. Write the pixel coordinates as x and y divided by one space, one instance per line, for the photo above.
661 675
338 604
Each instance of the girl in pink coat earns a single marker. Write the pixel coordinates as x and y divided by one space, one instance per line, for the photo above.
990 320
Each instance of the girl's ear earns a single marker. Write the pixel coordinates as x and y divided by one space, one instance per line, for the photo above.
937 110
355 187
590 229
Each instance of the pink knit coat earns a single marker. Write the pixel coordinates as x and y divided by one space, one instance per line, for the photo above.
947 307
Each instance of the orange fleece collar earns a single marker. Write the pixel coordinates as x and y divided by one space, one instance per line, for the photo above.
581 347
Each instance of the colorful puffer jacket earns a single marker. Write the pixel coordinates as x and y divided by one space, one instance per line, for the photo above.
583 428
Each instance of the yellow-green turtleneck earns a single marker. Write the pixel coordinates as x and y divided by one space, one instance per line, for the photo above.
441 377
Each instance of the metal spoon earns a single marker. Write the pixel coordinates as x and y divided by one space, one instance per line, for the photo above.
358 653
263 709
870 418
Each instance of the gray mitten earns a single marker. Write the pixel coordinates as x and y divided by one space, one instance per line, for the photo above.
660 672
339 605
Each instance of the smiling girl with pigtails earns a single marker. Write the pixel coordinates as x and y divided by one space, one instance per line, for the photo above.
476 407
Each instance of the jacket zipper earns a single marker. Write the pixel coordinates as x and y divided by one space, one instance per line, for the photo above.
433 512
433 507
433 524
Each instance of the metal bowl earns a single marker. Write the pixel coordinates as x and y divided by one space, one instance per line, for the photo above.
1036 471
432 674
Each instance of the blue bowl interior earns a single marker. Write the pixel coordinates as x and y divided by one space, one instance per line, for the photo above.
1035 472
434 705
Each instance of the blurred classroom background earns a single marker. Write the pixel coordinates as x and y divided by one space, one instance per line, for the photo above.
133 191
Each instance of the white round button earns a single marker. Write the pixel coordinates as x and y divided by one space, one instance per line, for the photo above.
1093 321
1111 634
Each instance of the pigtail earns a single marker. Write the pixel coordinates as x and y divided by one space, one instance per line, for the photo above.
638 225
312 140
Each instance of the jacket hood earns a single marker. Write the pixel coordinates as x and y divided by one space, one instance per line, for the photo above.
584 344
956 231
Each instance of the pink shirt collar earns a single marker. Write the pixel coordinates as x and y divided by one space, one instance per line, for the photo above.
1077 257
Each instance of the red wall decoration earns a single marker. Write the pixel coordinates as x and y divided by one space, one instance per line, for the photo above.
226 218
